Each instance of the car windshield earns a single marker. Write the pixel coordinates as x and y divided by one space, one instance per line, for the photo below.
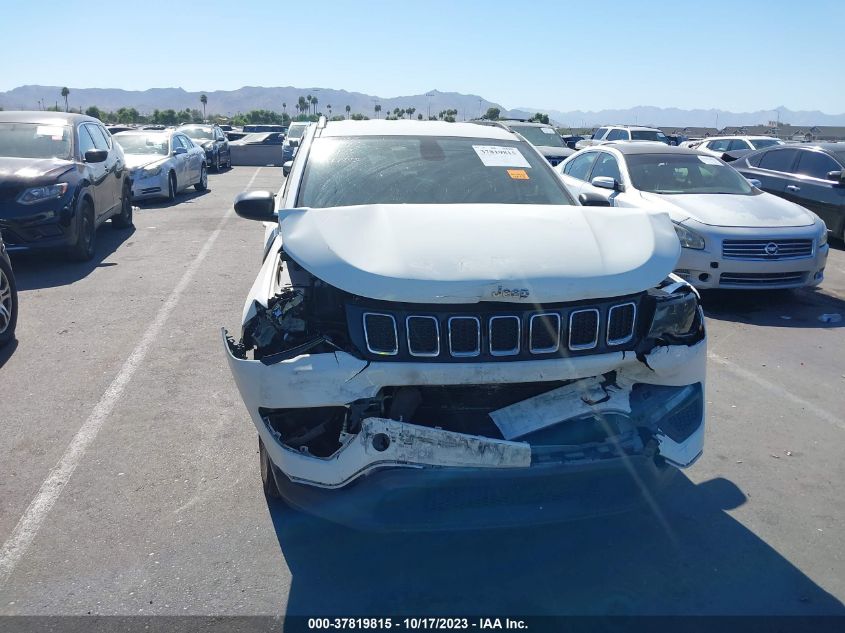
295 131
649 135
143 143
197 132
35 140
539 135
343 171
685 173
760 143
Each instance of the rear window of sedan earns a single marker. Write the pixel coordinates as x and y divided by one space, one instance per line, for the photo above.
345 171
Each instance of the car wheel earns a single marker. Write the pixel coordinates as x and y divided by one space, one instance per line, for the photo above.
8 303
123 220
268 481
86 235
171 187
202 185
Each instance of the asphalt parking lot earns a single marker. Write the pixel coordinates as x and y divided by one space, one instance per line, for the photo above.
119 417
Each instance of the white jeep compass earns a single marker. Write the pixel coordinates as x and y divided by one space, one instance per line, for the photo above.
441 336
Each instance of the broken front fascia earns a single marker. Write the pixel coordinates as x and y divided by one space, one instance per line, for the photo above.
338 379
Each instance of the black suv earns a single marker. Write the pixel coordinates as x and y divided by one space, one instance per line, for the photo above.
212 139
61 177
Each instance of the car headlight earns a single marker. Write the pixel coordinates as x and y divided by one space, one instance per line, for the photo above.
823 237
676 317
207 146
33 195
153 170
688 238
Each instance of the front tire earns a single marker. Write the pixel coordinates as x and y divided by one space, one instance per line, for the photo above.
8 303
171 187
268 481
202 185
83 249
123 220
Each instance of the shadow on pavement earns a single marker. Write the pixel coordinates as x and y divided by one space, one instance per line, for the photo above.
688 557
186 196
804 308
47 269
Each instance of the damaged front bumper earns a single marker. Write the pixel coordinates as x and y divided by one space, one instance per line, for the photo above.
654 405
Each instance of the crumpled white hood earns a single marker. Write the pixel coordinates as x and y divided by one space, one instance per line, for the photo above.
467 253
760 210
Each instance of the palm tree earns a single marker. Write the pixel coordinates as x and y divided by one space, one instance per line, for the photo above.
302 106
308 98
329 108
284 108
410 112
314 104
65 93
348 110
378 110
203 101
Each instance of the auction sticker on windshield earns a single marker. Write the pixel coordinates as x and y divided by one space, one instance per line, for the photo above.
518 174
499 156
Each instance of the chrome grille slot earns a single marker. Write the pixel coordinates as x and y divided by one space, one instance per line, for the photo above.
504 333
762 279
767 249
583 329
620 323
544 333
464 336
423 335
380 334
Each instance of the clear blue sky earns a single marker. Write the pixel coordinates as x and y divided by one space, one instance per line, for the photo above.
738 55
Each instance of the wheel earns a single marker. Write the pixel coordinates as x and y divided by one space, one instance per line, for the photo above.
171 187
86 235
123 220
268 481
217 166
202 185
8 303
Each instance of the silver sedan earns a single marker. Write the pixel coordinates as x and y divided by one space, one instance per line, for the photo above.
732 234
162 163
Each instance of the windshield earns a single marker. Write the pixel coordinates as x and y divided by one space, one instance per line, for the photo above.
197 132
35 140
760 143
344 171
295 131
539 135
649 135
143 143
684 173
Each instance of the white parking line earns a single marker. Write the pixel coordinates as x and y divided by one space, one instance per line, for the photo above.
777 390
29 524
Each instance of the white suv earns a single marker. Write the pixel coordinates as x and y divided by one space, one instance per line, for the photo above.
718 145
440 335
623 133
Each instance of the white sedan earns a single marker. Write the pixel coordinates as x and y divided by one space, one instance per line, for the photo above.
718 145
733 235
162 163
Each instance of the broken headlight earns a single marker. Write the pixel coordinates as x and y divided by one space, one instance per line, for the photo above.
676 316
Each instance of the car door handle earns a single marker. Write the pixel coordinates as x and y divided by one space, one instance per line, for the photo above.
793 188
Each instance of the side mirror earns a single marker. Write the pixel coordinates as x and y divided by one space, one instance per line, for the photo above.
96 155
606 182
755 183
179 150
592 200
256 205
293 142
286 167
837 176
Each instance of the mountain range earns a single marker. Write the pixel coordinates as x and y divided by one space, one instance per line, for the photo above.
229 102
